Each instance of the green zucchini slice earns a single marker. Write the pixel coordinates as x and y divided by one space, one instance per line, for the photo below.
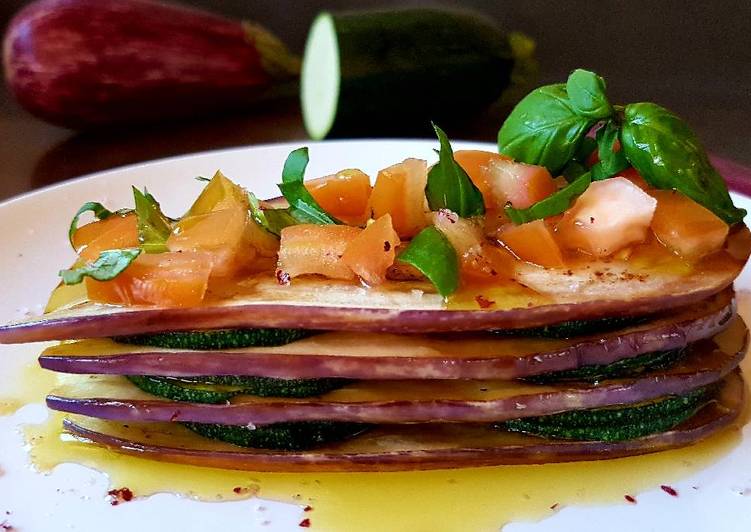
614 423
216 338
288 436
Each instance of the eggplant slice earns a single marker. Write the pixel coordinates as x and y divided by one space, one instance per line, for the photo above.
592 290
354 355
410 401
403 447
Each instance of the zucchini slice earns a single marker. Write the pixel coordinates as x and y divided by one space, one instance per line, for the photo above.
217 338
574 328
620 369
296 436
219 389
614 423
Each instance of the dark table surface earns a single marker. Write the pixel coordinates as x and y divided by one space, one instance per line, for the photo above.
692 57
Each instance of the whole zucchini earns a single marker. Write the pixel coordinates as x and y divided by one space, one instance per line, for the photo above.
370 73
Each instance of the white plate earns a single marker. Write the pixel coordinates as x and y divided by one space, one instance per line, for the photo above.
35 246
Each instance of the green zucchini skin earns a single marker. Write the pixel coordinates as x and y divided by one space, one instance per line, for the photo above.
574 328
216 339
219 389
289 436
401 69
624 368
614 424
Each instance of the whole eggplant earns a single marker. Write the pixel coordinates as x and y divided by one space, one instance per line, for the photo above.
89 63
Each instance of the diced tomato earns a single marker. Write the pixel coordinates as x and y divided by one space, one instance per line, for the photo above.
685 227
218 194
487 263
400 192
477 258
344 195
316 249
114 232
633 175
372 252
219 233
477 165
533 242
219 223
161 279
609 216
520 184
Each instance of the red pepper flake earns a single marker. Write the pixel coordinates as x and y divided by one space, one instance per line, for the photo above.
483 301
237 489
553 507
669 490
305 523
307 508
282 277
387 246
120 495
630 498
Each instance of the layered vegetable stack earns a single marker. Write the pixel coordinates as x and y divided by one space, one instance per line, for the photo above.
477 311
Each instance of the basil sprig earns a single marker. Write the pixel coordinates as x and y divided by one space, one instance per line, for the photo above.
556 203
153 226
544 129
586 91
302 206
611 162
106 267
434 256
99 211
668 154
449 186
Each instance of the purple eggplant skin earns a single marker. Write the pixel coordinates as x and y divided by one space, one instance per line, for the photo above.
89 63
405 447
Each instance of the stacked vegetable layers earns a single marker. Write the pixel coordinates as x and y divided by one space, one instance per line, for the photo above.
292 399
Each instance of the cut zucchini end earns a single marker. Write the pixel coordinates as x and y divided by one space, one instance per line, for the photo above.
320 78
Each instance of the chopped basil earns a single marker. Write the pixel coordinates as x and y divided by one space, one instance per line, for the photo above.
302 206
106 267
153 226
273 220
554 204
449 186
432 254
99 211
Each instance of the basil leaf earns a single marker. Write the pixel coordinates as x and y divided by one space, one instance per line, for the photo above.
586 91
554 204
573 170
99 211
273 220
106 267
668 154
544 129
449 186
302 206
153 226
611 162
432 254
